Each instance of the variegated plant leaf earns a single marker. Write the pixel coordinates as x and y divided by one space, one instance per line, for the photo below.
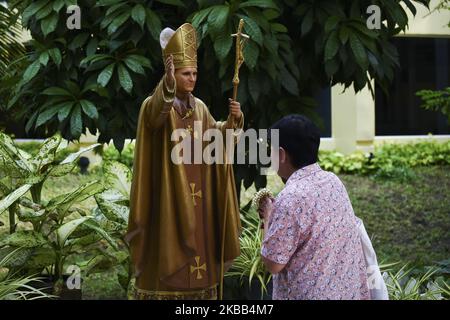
62 169
113 211
13 197
24 239
14 155
69 163
114 196
47 152
74 156
118 177
63 202
97 228
68 228
30 215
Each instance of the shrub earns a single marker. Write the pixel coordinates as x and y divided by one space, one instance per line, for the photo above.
411 284
126 156
388 160
249 264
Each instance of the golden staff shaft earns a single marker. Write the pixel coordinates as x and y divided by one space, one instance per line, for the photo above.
239 60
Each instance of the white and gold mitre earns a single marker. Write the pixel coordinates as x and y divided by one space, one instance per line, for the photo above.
182 44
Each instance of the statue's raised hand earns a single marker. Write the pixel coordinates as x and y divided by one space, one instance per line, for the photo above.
170 71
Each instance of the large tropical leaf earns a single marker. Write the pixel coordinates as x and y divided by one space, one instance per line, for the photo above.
138 14
17 257
358 51
89 109
124 78
104 76
6 202
24 239
47 152
64 202
31 71
222 46
217 18
118 177
92 224
14 155
332 46
69 163
103 262
64 232
56 91
30 215
55 54
113 211
74 156
49 23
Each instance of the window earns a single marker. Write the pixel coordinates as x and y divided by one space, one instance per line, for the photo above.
323 99
424 64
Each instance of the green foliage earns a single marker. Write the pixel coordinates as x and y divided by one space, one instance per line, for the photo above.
125 156
61 227
406 221
20 167
388 160
12 60
21 171
90 78
113 210
249 264
411 284
296 49
54 229
14 287
436 100
32 147
10 47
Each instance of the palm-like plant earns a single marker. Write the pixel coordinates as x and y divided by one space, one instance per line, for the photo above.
249 264
403 285
12 59
10 46
18 288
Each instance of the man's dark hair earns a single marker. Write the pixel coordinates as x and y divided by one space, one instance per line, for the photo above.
300 137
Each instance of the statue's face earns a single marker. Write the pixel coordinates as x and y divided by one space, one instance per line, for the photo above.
186 79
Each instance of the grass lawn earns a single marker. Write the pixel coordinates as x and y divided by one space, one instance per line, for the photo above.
407 221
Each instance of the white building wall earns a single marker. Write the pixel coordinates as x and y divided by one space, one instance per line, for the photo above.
353 115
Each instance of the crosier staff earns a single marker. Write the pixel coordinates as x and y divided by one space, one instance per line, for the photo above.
241 39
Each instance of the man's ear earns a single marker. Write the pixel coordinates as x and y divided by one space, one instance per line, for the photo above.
283 155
